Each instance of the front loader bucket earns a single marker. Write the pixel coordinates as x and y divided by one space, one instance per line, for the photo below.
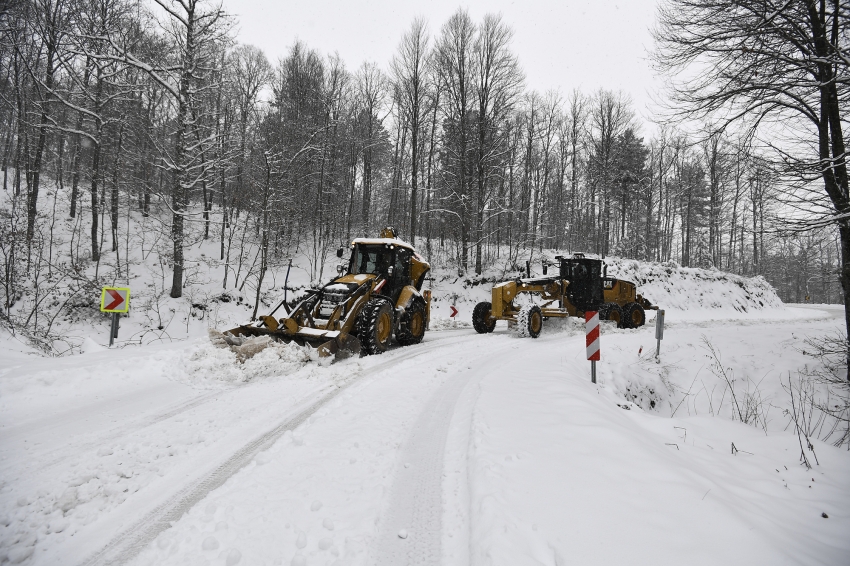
342 346
338 345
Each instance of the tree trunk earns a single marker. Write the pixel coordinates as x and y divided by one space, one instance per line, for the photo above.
113 213
32 203
95 177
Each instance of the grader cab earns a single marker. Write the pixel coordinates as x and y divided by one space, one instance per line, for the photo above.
581 285
377 295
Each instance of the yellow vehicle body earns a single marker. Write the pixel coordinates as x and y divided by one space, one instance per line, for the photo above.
551 291
331 318
579 287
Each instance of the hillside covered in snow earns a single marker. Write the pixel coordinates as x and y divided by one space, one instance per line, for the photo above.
166 449
56 308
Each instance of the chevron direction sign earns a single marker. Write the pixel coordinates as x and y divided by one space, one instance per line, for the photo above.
115 299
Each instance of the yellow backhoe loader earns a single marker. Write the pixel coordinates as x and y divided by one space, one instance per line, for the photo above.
377 295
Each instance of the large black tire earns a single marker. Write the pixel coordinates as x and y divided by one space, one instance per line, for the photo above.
529 321
634 316
612 312
482 318
412 326
375 326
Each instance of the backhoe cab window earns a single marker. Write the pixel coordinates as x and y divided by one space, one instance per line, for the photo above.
371 259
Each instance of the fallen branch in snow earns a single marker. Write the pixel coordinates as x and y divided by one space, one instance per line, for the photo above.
735 450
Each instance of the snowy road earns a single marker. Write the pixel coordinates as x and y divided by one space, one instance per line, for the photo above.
138 450
465 449
411 529
129 543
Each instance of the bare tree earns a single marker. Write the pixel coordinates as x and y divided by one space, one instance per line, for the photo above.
193 28
610 117
410 74
454 63
575 129
371 93
51 26
780 67
250 71
498 82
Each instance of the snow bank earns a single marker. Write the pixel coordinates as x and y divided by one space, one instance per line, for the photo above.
447 323
688 288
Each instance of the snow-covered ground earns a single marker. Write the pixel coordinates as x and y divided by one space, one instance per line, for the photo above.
465 449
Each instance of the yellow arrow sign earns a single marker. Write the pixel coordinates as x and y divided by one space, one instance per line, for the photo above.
115 299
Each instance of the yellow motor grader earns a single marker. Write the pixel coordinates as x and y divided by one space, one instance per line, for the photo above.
581 285
377 296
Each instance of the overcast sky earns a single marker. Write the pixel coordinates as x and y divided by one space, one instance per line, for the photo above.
562 45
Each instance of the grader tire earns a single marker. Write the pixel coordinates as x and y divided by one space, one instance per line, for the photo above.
482 318
529 321
612 312
634 315
375 327
412 327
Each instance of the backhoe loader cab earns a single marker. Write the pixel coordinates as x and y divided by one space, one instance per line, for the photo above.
377 295
581 285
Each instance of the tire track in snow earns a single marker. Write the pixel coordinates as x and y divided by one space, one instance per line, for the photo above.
127 545
133 540
58 456
416 507
411 531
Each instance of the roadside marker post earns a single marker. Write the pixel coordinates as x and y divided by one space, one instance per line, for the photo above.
426 294
454 311
659 332
591 328
114 300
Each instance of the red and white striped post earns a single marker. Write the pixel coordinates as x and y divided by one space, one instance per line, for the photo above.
591 328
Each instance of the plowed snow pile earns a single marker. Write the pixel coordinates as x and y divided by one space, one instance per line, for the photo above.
688 288
206 365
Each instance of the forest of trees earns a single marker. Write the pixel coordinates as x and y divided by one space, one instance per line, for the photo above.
158 111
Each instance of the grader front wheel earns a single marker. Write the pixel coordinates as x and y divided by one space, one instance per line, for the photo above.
529 321
482 318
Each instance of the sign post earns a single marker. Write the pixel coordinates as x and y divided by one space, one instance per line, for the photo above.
591 328
454 311
114 300
659 332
